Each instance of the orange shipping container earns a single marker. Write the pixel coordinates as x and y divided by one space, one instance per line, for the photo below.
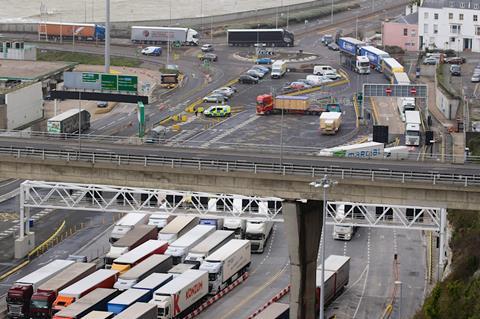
292 102
80 30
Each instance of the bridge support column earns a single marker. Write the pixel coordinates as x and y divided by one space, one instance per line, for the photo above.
26 239
303 223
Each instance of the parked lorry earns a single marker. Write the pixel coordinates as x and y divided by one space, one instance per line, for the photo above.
412 128
275 310
42 300
330 122
210 244
262 37
153 282
279 68
20 294
65 30
177 227
178 297
405 104
160 220
153 264
336 277
139 310
156 35
351 57
227 264
181 268
374 55
126 223
98 315
95 300
237 225
300 104
126 299
342 232
135 237
361 150
214 221
102 278
67 122
137 255
400 152
180 247
258 232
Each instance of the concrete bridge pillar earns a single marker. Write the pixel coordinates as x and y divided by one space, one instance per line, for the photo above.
303 223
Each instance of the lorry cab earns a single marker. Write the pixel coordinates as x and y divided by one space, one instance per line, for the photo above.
16 300
163 306
62 302
264 103
192 37
342 232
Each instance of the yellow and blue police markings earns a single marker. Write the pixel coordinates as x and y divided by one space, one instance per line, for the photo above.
218 111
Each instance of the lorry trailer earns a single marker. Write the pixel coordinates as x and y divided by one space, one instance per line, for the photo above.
180 247
153 264
180 296
263 37
67 122
127 223
330 122
362 150
42 300
153 282
177 227
99 315
336 276
139 310
214 221
275 310
210 244
157 35
300 104
374 55
135 237
95 300
160 220
102 278
79 31
237 225
126 299
20 294
138 254
412 128
181 268
227 264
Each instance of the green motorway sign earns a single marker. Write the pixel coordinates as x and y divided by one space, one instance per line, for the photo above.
127 83
109 82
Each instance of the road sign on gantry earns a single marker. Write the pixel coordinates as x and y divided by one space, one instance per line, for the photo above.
396 90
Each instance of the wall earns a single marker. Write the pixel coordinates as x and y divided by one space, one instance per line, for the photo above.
447 104
393 34
24 106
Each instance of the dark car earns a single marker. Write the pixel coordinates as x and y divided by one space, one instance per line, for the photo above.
455 70
208 57
455 60
333 46
247 79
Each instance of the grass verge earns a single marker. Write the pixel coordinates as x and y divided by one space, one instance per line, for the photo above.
85 58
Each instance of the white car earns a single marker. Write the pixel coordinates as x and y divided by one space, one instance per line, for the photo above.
331 75
152 51
256 73
224 91
207 48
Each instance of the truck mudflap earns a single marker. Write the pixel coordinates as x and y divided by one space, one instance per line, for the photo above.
216 297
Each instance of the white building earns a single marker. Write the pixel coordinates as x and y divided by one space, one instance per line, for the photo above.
449 24
17 50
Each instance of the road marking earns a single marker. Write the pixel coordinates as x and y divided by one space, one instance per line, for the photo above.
272 238
229 131
366 275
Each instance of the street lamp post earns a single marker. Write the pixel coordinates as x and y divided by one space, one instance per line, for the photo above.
107 37
325 183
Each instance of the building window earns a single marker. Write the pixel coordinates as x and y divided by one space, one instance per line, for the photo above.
425 15
435 16
405 32
452 4
435 29
455 28
475 17
462 5
413 33
452 39
477 30
450 16
460 16
425 28
475 6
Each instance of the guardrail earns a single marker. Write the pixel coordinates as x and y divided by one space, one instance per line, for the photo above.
243 166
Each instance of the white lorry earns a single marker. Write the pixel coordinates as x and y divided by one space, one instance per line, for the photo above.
180 247
160 220
154 35
237 225
412 128
177 227
227 264
279 68
126 223
405 104
179 296
342 232
258 232
362 150
210 244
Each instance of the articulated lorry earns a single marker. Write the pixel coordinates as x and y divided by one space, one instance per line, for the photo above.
127 223
330 122
156 35
227 264
102 278
336 277
160 220
99 315
153 282
137 255
20 294
134 238
42 300
362 150
153 264
139 310
214 221
126 299
287 104
263 37
374 55
237 225
177 228
350 55
68 122
65 30
95 300
209 245
180 247
258 232
412 128
181 268
180 296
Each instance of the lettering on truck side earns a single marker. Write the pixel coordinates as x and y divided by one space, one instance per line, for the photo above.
192 291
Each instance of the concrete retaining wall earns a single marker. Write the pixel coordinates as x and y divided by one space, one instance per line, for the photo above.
446 104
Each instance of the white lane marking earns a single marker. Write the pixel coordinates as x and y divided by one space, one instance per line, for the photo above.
228 132
366 276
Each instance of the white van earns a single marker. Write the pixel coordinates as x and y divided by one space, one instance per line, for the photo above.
321 69
279 68
396 152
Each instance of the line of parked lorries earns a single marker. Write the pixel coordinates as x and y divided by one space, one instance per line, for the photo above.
170 263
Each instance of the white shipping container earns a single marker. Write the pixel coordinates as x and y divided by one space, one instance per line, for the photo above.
24 105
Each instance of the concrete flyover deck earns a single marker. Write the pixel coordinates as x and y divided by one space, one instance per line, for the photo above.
379 182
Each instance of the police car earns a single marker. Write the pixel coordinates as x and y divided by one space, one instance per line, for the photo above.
217 111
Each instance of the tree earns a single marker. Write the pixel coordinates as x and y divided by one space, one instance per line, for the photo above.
415 3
